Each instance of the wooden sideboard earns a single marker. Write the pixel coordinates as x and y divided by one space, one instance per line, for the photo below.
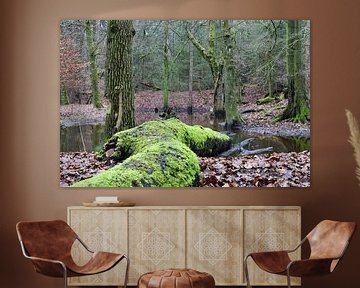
211 239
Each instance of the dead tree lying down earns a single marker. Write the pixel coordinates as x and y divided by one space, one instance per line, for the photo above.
243 151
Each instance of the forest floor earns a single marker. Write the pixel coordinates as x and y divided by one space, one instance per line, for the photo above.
81 114
266 170
260 119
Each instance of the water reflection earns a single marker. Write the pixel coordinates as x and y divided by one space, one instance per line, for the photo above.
92 137
82 138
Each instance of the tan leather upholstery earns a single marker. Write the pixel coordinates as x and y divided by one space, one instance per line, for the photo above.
329 238
48 243
176 278
272 262
328 242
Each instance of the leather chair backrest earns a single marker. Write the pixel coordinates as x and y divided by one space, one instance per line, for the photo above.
329 239
46 239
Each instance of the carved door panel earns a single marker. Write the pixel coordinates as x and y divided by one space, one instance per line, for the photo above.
156 240
101 230
214 244
269 230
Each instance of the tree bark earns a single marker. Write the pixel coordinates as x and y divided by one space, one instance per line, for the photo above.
272 30
91 49
240 148
119 76
232 97
191 71
298 108
166 79
216 66
64 100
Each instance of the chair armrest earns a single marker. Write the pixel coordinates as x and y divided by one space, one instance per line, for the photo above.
46 260
84 245
48 267
309 267
271 261
298 246
281 251
268 253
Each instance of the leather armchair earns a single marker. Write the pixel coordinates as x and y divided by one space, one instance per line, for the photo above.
328 242
48 245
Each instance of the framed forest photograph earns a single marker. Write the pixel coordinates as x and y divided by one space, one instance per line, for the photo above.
184 103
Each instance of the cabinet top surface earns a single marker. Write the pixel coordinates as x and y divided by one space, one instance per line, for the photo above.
192 207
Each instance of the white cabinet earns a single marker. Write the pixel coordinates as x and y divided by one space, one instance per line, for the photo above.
210 239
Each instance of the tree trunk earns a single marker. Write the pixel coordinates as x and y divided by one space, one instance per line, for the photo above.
166 79
156 154
89 30
119 76
219 99
272 30
270 79
232 97
64 100
216 66
298 104
191 69
290 52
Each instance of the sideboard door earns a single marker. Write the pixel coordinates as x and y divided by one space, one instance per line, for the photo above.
214 244
270 229
156 240
101 230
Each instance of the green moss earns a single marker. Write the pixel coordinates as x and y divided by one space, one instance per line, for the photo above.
159 153
203 141
165 164
265 100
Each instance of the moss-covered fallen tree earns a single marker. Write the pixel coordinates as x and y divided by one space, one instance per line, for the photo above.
159 153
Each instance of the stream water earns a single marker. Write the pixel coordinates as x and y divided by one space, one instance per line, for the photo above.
93 138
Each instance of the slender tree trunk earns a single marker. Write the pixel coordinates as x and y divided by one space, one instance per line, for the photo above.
216 66
232 96
270 79
290 52
270 57
89 30
64 96
219 99
298 104
191 72
119 76
166 80
217 72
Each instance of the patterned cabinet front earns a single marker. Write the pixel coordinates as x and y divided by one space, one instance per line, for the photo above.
156 240
208 239
101 230
214 244
269 230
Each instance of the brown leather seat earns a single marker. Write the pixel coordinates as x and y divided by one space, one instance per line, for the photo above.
48 245
328 242
176 278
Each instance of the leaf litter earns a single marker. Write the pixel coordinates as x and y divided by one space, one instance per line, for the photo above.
265 170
